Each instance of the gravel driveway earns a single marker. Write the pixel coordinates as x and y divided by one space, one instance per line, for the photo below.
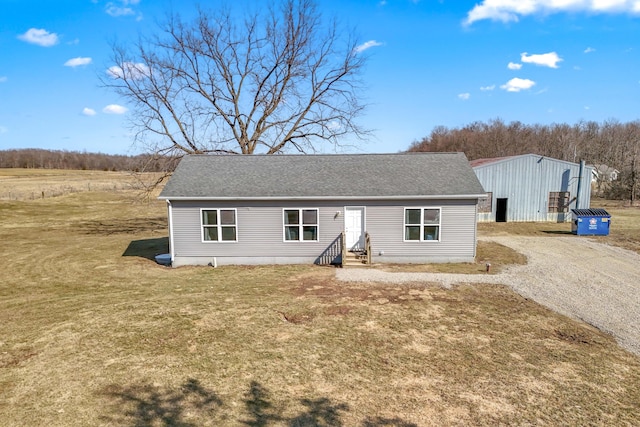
575 276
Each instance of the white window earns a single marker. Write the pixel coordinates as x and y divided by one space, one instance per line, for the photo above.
219 225
421 224
300 225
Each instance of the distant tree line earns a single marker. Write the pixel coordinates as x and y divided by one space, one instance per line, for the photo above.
611 143
34 158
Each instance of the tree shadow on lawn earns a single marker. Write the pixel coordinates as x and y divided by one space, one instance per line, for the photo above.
147 248
147 405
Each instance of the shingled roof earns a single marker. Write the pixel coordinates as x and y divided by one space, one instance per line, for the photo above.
336 176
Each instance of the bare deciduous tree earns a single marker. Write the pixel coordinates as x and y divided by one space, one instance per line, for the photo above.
628 147
276 80
608 146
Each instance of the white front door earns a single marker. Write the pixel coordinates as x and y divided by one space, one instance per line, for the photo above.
354 227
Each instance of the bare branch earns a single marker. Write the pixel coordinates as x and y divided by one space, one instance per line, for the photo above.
273 80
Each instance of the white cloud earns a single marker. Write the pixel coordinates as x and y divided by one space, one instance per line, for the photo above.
114 109
115 72
487 88
367 45
514 66
3 79
589 50
464 96
129 70
89 111
517 85
116 11
76 62
40 37
512 10
122 8
550 59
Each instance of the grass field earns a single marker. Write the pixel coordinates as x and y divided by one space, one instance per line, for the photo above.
31 184
624 229
93 332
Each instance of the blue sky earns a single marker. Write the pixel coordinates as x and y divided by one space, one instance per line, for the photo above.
433 62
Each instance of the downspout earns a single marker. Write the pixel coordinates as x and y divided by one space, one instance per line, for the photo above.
580 175
170 217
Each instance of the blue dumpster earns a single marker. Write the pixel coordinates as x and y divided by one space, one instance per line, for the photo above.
590 222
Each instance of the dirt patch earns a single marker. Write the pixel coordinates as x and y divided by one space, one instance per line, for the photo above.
329 289
297 318
577 277
338 310
16 358
576 336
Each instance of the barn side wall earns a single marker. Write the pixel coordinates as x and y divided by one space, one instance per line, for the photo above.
526 181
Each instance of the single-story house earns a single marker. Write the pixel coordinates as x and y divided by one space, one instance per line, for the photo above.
287 209
604 173
531 187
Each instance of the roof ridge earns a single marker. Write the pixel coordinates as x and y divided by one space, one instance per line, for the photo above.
324 154
376 175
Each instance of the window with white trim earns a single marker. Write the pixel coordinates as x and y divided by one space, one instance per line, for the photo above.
219 225
421 224
300 225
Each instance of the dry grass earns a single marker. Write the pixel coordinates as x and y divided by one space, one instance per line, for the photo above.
31 184
625 225
93 332
487 252
624 229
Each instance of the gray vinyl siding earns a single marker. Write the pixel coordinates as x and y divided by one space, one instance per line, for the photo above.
260 232
385 224
526 181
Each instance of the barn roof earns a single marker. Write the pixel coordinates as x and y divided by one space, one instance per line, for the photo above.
338 176
490 161
480 162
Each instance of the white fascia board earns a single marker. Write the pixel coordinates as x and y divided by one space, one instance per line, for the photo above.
281 198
